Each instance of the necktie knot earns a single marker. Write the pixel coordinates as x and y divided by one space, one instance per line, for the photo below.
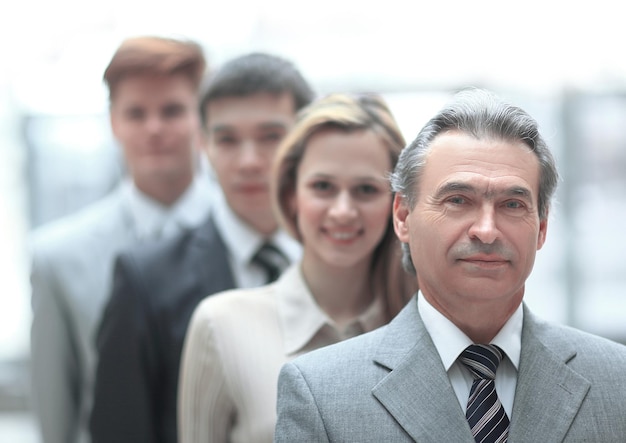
482 360
271 260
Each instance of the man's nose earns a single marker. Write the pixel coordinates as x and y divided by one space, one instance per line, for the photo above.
250 154
154 123
485 227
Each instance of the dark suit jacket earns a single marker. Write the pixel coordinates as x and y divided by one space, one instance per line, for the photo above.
140 338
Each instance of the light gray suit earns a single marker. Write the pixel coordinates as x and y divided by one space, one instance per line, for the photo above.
72 261
71 277
390 386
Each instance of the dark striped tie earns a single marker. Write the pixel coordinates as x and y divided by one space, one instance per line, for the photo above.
485 414
271 260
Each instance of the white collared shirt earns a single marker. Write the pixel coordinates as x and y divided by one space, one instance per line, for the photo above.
308 327
152 220
242 242
237 342
450 342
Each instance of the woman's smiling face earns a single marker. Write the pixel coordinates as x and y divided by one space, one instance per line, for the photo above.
342 198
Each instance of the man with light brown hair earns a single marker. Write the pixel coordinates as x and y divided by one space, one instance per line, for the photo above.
153 87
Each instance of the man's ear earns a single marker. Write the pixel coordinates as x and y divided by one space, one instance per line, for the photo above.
543 231
204 143
401 218
203 139
113 122
198 132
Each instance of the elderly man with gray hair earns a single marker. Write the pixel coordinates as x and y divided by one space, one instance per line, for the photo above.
466 360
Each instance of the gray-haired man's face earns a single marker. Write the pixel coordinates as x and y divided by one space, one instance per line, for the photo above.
475 227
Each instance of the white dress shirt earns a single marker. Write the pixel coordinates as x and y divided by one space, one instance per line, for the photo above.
153 220
242 242
450 342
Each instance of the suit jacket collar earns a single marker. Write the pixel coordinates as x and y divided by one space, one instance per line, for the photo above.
150 219
417 391
108 227
545 383
418 394
209 255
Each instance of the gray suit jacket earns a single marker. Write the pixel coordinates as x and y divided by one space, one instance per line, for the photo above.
390 385
71 275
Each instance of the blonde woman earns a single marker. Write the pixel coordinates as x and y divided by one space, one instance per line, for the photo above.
331 193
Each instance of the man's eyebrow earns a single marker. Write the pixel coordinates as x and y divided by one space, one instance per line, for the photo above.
452 187
221 128
262 126
273 125
518 191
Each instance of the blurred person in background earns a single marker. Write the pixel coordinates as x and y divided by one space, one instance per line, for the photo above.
330 188
247 107
153 87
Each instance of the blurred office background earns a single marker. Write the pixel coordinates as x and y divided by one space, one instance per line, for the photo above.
562 61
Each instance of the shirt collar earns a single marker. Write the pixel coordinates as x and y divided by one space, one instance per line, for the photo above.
192 208
450 341
302 318
151 218
241 240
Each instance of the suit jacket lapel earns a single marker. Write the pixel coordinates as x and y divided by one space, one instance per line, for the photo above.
210 257
545 383
417 391
427 408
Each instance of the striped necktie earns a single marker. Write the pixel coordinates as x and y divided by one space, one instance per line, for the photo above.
271 260
485 414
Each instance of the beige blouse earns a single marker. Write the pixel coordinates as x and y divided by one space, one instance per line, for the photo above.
236 344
